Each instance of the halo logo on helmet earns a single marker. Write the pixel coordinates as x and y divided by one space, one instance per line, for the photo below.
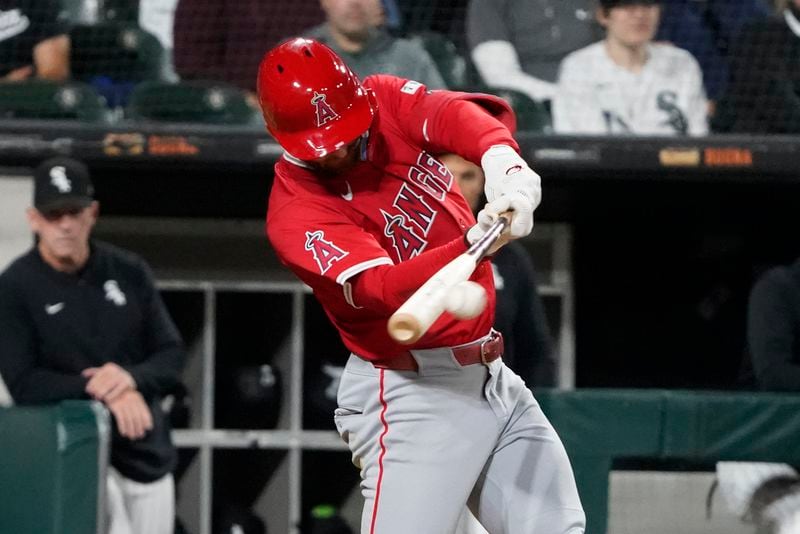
313 104
324 110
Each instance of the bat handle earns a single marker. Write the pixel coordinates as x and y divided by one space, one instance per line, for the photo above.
481 247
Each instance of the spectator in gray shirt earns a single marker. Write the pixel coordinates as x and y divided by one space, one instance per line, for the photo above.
518 44
353 29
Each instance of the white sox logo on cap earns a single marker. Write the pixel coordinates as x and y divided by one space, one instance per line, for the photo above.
58 177
325 112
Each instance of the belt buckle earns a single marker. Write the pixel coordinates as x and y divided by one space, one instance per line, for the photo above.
483 349
493 335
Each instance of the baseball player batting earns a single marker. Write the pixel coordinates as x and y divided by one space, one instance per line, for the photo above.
363 212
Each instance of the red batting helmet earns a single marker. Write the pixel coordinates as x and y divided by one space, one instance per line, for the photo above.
312 102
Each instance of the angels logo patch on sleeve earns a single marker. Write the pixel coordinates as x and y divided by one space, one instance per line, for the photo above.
324 251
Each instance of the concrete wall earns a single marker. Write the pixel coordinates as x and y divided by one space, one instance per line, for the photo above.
16 192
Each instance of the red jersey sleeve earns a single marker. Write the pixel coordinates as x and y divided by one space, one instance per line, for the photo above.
315 240
442 121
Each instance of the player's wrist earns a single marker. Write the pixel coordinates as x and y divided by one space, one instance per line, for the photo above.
499 152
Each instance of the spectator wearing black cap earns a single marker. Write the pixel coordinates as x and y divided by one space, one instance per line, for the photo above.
628 84
81 319
33 40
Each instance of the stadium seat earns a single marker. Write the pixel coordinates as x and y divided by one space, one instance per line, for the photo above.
451 64
532 116
199 102
78 11
114 57
97 11
36 99
120 11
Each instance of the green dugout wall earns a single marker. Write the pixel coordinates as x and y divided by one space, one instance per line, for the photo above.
51 459
598 426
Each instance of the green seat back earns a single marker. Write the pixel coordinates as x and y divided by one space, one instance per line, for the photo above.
120 52
37 99
121 11
450 63
76 11
92 11
201 102
532 116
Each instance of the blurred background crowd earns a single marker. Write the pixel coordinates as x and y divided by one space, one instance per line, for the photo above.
674 67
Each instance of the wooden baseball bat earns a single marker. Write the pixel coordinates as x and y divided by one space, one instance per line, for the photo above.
418 313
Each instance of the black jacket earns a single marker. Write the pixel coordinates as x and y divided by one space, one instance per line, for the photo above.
520 316
25 24
53 325
764 92
773 329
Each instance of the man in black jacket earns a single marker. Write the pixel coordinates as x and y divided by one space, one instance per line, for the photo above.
773 329
519 314
82 319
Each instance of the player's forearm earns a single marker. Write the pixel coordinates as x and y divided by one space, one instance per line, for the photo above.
384 288
468 130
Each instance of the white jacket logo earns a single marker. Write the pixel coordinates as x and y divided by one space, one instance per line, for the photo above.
114 293
58 177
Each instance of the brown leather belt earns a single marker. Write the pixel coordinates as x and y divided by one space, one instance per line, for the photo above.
484 350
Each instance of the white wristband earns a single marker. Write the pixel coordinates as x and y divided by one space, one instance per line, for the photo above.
500 157
506 172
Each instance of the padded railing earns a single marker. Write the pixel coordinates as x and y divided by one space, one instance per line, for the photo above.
600 425
51 459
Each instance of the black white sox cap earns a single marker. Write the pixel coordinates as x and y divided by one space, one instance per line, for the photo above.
62 183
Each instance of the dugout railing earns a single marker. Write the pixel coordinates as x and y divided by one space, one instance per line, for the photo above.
52 457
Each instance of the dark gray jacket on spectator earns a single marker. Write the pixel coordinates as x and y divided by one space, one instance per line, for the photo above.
764 92
385 54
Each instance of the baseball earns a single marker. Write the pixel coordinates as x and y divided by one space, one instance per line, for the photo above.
466 299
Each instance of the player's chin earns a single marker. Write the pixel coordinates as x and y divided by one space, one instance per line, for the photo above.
335 167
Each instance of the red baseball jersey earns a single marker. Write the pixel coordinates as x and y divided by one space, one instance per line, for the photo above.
395 204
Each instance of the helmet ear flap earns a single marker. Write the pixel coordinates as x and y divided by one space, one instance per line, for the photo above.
311 101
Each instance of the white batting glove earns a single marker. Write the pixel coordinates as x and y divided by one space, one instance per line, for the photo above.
477 231
520 209
506 173
521 225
